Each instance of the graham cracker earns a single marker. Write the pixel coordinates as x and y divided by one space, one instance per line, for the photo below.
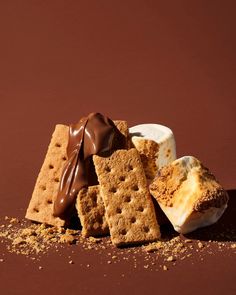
129 209
46 188
122 126
40 208
148 150
91 210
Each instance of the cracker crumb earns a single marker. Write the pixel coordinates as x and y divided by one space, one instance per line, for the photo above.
165 267
170 258
153 247
188 241
94 240
18 241
13 220
200 245
67 238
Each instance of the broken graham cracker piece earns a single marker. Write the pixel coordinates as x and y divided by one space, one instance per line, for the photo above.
91 210
122 126
156 146
129 209
40 208
41 204
148 150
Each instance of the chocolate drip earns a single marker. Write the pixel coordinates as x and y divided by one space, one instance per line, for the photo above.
94 135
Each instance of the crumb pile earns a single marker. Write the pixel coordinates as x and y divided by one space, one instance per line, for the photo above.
27 239
34 240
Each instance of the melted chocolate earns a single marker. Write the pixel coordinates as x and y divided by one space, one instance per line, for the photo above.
94 135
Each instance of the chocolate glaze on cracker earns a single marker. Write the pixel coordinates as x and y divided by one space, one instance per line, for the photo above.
94 135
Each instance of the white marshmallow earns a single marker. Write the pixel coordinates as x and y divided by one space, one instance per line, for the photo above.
156 145
189 194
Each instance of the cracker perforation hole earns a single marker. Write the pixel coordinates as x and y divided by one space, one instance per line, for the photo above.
58 144
43 187
56 179
50 166
127 199
122 178
133 219
130 167
36 210
64 158
140 209
107 169
123 232
135 188
113 190
49 201
146 229
118 210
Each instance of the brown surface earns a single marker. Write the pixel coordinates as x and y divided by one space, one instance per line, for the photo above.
171 63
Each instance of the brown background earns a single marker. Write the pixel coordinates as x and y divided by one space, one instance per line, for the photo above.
167 62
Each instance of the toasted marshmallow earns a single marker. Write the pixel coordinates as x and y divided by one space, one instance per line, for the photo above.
156 146
189 194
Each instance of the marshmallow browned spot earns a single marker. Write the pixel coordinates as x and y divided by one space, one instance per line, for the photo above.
156 146
189 194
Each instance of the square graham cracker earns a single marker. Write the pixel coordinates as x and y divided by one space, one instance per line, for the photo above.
46 188
91 210
130 212
40 208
